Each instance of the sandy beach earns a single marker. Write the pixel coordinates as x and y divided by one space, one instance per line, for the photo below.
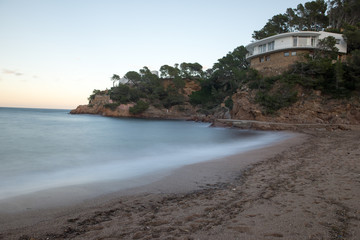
305 188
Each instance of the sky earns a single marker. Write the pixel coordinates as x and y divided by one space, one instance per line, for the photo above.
54 53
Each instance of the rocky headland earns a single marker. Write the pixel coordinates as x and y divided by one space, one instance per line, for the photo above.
311 107
98 106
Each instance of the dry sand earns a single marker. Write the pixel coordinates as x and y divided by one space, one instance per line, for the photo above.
306 188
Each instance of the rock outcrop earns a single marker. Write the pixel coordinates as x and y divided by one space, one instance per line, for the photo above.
99 106
184 112
311 107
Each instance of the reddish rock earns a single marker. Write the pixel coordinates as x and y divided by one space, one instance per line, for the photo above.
97 106
311 107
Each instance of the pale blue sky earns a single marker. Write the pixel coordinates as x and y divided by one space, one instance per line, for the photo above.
53 53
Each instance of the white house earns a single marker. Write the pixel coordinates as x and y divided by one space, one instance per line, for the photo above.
274 55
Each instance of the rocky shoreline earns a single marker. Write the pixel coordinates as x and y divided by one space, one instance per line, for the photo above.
312 109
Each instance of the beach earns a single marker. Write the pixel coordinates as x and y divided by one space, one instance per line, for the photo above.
307 187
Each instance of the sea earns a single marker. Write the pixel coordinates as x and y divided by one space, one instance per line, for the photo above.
44 149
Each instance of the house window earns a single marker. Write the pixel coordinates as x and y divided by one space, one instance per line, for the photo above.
262 48
295 41
251 51
286 54
261 59
271 46
293 53
267 58
313 41
303 41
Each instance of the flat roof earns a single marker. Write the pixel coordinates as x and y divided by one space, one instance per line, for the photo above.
281 35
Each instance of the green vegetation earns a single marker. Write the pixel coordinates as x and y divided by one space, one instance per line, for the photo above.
226 76
95 92
112 106
139 107
314 16
320 71
277 100
115 78
151 89
229 103
274 93
324 72
308 17
125 94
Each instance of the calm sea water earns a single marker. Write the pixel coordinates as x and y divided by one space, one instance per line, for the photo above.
43 149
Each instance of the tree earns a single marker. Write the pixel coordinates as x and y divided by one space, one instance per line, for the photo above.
115 78
223 79
149 81
353 70
344 12
308 17
295 21
173 98
339 74
233 60
230 70
191 70
121 93
352 36
314 15
276 25
92 96
326 49
167 71
139 107
133 77
148 77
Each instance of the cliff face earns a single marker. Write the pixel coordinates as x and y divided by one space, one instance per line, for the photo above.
97 106
187 112
311 107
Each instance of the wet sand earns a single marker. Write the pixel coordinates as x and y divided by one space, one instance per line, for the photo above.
304 188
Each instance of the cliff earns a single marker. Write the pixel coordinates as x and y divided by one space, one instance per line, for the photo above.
98 106
311 107
177 112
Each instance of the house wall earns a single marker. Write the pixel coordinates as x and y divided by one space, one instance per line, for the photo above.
282 43
276 63
285 41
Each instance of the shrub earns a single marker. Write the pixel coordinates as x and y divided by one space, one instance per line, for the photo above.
200 97
92 96
229 103
112 106
179 83
120 93
274 102
140 107
172 100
